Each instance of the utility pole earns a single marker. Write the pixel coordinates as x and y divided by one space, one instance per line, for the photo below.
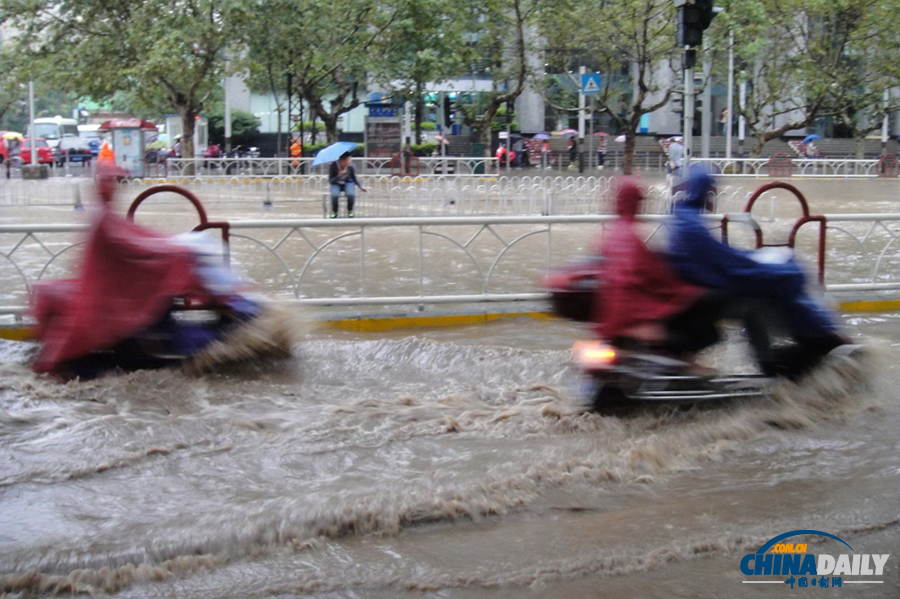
730 107
690 57
31 123
742 121
694 17
581 103
591 136
227 112
885 122
706 109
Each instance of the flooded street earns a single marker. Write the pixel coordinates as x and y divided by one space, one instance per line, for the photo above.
447 463
451 463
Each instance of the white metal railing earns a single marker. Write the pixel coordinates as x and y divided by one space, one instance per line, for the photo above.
846 168
388 196
219 168
437 260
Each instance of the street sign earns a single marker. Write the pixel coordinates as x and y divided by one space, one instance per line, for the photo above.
590 83
386 111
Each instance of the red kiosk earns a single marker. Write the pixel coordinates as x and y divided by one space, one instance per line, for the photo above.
129 138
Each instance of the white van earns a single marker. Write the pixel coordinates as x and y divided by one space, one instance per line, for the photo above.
53 129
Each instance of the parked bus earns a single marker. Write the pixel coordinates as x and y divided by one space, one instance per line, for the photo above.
53 129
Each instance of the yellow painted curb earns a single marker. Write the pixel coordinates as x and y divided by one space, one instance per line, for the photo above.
15 333
892 305
375 325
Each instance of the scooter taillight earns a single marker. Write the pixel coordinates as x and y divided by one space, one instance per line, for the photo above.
592 355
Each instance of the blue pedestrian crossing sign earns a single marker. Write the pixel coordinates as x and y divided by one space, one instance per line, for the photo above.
590 83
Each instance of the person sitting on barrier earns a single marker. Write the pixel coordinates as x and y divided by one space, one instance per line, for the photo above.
768 291
642 301
342 177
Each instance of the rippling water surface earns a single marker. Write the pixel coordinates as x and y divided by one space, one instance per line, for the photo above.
435 463
446 463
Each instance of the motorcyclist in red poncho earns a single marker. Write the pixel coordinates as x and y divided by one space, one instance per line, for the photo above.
118 311
642 300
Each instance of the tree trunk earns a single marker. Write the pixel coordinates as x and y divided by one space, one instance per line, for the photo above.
758 148
330 121
278 140
628 159
484 133
630 138
188 114
860 149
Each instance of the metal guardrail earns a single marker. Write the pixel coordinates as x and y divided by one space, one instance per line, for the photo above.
175 168
388 196
391 261
842 168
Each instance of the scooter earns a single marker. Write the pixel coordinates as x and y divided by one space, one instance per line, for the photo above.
144 299
613 375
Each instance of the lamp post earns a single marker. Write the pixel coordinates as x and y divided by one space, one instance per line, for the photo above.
227 112
730 107
31 123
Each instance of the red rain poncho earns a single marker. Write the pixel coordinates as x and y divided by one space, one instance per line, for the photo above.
127 280
639 286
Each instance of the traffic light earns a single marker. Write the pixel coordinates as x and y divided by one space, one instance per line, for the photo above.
510 111
448 111
694 17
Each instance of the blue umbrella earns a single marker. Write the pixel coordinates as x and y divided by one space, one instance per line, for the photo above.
333 152
541 136
810 138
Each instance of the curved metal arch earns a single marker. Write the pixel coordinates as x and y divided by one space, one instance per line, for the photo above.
509 246
656 230
294 282
318 250
878 225
53 257
22 274
187 194
463 247
880 256
868 255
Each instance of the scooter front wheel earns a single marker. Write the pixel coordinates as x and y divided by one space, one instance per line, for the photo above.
607 399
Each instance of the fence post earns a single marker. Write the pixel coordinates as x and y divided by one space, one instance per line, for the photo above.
78 207
267 203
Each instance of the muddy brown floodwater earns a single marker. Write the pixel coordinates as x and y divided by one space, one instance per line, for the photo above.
451 463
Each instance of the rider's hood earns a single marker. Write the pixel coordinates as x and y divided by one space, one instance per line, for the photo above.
628 199
699 184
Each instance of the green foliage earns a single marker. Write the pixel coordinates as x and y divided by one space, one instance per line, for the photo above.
424 149
328 47
310 150
156 49
307 126
501 125
631 43
428 126
244 127
805 59
500 40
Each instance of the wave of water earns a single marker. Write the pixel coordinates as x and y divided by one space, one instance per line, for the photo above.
141 477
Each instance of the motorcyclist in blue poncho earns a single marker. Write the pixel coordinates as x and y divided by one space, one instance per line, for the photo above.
762 290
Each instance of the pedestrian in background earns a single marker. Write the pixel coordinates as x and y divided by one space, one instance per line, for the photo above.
342 177
676 157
